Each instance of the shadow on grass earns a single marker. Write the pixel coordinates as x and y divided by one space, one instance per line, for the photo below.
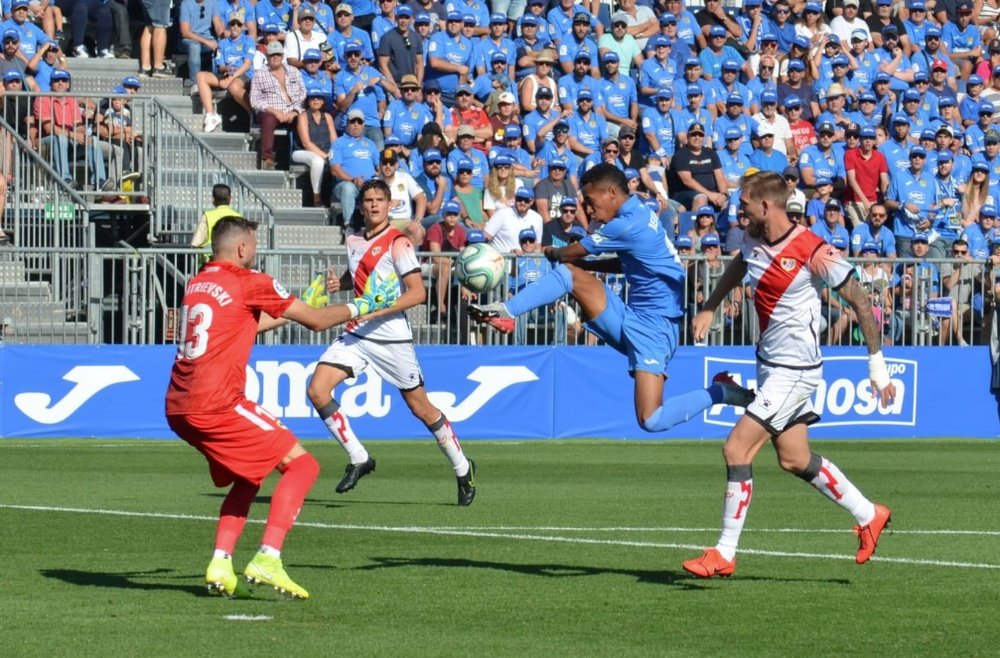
335 503
126 580
678 579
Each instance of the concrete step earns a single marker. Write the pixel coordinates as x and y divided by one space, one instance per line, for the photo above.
241 160
325 238
97 83
259 180
282 198
92 67
307 216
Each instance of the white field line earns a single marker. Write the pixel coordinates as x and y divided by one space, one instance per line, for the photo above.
467 532
248 617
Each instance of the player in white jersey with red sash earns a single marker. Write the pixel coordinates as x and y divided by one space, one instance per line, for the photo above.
787 264
385 345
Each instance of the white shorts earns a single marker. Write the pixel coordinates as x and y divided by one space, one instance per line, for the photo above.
784 397
396 363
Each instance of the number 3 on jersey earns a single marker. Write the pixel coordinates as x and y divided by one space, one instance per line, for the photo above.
195 322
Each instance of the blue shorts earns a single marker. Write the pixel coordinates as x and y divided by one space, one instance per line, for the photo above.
649 341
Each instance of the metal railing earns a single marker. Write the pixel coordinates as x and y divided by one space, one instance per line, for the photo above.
128 296
185 168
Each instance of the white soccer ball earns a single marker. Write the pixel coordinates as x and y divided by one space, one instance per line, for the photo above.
480 267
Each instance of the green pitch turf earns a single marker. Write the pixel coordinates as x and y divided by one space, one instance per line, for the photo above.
570 549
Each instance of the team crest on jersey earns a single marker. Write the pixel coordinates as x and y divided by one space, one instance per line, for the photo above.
376 251
788 264
280 289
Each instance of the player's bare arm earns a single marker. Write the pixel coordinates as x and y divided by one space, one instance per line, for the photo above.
852 292
729 280
571 253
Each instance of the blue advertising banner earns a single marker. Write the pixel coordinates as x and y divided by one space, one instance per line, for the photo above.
490 393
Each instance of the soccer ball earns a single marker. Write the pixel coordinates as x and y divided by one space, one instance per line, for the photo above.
480 267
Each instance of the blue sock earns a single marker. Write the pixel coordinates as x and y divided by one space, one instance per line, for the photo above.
678 409
546 290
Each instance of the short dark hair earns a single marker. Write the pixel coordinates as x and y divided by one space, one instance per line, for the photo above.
230 226
767 185
605 175
222 194
375 184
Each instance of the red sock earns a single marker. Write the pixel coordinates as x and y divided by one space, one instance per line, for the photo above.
295 483
233 515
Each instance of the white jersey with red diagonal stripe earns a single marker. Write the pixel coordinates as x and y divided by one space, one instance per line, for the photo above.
787 277
377 257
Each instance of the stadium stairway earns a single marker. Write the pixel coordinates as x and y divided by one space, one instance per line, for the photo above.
235 145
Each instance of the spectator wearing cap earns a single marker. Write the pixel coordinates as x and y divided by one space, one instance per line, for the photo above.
832 225
896 149
353 159
322 12
276 95
315 79
892 55
977 234
912 110
791 176
447 235
948 221
347 32
535 15
449 58
64 131
766 156
680 50
553 189
225 10
696 177
949 139
718 51
812 25
408 203
495 47
862 76
784 141
621 102
991 155
557 232
781 25
579 41
714 16
231 72
991 60
542 77
38 72
911 277
764 82
405 117
12 58
975 135
118 138
728 83
487 87
587 129
307 35
923 60
691 82
401 49
508 141
882 17
694 112
867 177
466 149
560 17
272 12
30 35
849 21
467 115
469 194
867 114
198 41
704 225
912 199
620 42
734 117
939 90
916 25
658 127
268 35
571 84
642 22
658 71
538 125
824 159
531 50
435 184
559 148
752 21
816 207
876 281
795 86
629 157
315 134
361 87
504 227
608 154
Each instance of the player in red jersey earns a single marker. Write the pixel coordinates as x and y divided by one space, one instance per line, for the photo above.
225 306
786 264
384 344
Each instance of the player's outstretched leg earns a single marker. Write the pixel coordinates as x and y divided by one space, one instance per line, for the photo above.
871 518
681 408
547 290
297 478
220 578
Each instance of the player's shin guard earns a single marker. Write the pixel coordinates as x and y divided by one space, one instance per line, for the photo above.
678 409
233 515
340 427
550 288
448 443
739 490
286 502
824 476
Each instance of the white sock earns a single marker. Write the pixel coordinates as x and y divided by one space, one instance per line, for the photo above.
340 427
449 445
833 484
269 550
221 553
739 490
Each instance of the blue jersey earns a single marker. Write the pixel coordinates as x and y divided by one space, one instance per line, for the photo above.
483 54
920 190
660 126
454 50
746 125
619 95
405 121
234 54
569 47
320 83
480 165
338 40
241 9
824 165
361 7
897 156
549 151
267 12
590 131
828 233
569 87
532 123
658 75
358 156
885 240
31 36
367 99
649 261
711 62
324 16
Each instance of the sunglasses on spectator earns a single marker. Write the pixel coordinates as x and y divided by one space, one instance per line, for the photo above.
611 151
341 14
626 137
502 166
356 121
569 211
619 24
766 68
528 240
960 252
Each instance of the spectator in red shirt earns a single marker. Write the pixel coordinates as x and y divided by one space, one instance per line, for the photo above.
465 113
447 235
867 178
62 122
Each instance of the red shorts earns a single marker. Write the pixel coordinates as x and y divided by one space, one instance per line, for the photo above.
246 443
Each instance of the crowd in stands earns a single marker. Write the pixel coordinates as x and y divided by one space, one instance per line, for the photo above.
483 115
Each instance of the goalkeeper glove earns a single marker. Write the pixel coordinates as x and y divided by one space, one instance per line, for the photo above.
315 295
382 295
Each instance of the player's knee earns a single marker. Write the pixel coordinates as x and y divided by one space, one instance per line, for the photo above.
792 465
651 422
308 467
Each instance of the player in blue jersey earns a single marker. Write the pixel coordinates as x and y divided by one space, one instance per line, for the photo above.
645 329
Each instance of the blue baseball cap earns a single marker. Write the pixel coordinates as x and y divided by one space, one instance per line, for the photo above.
705 210
801 41
945 156
717 31
464 164
732 132
867 132
665 92
911 95
899 117
917 5
453 17
512 131
558 163
691 62
661 40
882 76
12 34
890 29
974 80
870 247
495 19
920 237
709 240
986 107
584 95
451 207
839 60
734 98
768 97
832 40
867 97
270 28
527 235
13 75
683 242
19 3
529 19
503 159
833 204
918 151
568 201
667 18
60 74
469 19
838 241
404 10
919 76
132 81
501 58
631 173
422 18
610 56
793 101
312 55
525 192
694 90
730 65
581 56
769 36
932 31
987 211
474 236
796 65
352 47
980 165
432 155
823 180
814 7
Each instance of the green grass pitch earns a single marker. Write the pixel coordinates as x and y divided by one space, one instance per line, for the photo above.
570 549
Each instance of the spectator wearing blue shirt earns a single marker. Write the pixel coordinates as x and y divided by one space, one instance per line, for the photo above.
891 60
716 53
276 12
363 12
896 149
316 80
912 198
866 115
561 16
570 84
348 33
728 83
231 72
406 116
693 113
436 186
658 71
494 43
916 23
537 125
545 32
832 226
873 231
621 103
449 58
658 128
734 161
688 29
578 40
197 38
781 25
587 128
31 35
968 108
991 155
734 118
559 149
976 235
765 157
478 9
823 159
226 10
975 135
464 150
353 160
360 87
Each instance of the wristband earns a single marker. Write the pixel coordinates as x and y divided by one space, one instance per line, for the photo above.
877 371
353 308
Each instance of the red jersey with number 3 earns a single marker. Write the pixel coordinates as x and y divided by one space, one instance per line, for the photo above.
219 316
787 276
